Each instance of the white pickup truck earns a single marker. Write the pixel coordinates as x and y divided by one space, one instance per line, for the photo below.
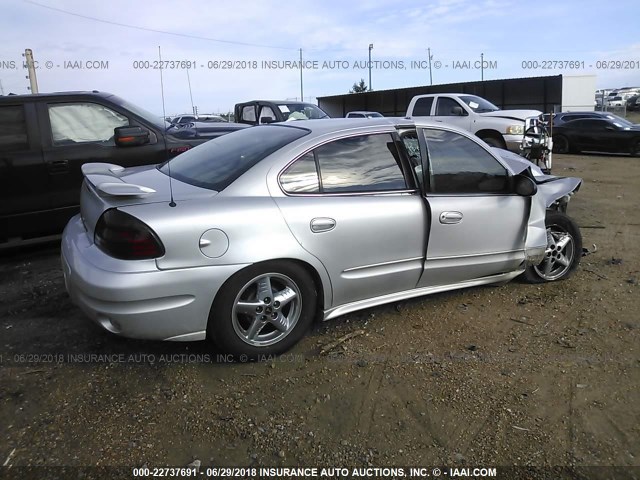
498 128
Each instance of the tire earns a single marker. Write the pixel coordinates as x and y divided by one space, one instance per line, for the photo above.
635 149
561 144
564 250
250 323
494 141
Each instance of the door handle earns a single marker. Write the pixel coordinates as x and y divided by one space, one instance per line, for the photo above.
59 166
450 217
322 224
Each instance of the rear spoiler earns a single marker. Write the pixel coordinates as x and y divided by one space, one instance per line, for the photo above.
106 178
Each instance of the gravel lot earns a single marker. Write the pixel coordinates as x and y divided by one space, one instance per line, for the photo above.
511 375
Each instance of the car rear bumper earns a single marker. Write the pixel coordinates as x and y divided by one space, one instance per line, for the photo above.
134 298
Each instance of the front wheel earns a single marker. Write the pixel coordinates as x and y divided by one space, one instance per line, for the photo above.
494 141
635 149
263 310
563 253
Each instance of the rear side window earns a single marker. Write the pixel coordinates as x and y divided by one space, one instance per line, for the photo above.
83 123
218 162
422 108
301 176
13 129
249 113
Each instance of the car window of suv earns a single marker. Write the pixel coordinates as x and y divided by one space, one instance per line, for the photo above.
445 106
249 113
13 129
458 165
83 123
267 112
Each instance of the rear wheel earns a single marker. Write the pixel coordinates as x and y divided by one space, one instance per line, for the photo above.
560 144
263 310
563 253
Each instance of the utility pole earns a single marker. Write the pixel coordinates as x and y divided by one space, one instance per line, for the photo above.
193 109
301 90
430 57
370 48
482 66
33 81
1 88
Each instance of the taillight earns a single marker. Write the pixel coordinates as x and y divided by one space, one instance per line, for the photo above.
124 236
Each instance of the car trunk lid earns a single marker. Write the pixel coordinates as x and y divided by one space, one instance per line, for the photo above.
110 186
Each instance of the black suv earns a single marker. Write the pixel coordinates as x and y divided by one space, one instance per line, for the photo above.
44 140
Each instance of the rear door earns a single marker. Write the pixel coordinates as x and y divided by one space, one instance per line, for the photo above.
24 179
477 226
352 203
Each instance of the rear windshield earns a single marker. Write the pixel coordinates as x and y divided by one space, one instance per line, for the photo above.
219 162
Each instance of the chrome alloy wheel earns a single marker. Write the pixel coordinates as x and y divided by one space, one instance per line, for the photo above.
266 310
559 254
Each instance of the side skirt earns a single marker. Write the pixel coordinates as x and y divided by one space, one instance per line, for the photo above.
417 292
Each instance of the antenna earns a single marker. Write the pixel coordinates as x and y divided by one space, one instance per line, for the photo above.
193 109
164 134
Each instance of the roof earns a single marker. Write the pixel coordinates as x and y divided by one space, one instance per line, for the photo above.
92 93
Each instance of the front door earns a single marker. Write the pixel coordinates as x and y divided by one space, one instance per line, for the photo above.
477 225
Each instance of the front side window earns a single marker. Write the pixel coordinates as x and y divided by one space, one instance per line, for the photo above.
447 106
13 129
458 165
267 112
83 123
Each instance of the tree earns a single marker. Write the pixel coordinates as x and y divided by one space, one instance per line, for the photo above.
359 87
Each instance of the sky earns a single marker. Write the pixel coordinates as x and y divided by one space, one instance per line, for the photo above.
216 54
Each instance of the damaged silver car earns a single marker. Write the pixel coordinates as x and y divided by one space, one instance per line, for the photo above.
249 237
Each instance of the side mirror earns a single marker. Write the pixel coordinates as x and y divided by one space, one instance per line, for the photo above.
267 119
524 186
131 136
457 111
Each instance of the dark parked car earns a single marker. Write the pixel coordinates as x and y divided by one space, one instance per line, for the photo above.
44 140
611 135
564 117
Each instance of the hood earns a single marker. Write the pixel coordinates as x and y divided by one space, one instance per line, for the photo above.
512 114
517 163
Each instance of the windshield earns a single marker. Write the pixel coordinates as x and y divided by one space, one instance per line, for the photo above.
219 162
301 111
478 104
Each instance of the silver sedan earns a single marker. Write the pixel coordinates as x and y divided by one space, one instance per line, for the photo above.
249 237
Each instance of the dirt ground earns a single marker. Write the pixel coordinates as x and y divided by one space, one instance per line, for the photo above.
512 375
